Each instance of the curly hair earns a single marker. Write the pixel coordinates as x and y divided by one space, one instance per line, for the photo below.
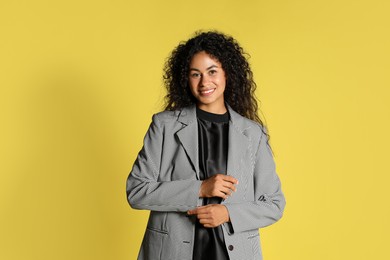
240 86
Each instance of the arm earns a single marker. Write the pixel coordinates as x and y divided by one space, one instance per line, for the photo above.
269 200
145 191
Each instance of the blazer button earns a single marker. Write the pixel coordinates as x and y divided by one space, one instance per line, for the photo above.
231 247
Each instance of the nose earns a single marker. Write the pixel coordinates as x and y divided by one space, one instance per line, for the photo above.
204 80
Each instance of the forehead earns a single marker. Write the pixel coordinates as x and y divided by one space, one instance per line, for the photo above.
203 59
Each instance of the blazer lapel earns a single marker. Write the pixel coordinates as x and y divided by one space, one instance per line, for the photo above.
188 135
238 144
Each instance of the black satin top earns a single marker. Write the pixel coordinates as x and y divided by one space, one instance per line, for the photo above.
213 146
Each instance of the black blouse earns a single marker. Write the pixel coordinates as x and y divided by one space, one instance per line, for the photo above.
213 146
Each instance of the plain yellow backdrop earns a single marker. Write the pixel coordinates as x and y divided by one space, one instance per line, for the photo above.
80 80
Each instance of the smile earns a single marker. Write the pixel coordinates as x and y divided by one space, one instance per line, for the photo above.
207 92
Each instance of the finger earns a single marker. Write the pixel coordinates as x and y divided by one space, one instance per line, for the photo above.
222 195
226 191
209 226
200 210
208 209
208 223
230 179
229 186
203 216
205 221
192 211
219 193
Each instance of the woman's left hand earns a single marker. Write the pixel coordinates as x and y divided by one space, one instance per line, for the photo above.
211 215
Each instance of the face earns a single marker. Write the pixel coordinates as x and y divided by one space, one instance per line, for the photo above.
207 83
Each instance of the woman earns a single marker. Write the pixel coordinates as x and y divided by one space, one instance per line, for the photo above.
206 170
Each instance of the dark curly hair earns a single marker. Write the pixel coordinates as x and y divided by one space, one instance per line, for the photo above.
240 86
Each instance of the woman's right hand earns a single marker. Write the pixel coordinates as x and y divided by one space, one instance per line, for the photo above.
218 185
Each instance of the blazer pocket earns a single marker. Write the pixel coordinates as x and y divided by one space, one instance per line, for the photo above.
157 230
152 244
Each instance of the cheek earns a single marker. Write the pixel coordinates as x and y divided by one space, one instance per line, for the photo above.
221 77
222 82
193 83
192 86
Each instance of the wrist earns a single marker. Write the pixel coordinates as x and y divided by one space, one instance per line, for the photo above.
227 219
201 190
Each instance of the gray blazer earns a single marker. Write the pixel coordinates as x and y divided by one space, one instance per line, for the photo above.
165 180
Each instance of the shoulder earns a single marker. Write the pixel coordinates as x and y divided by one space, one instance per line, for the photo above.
254 130
175 117
165 116
248 127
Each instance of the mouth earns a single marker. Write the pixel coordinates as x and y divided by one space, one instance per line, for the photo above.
207 92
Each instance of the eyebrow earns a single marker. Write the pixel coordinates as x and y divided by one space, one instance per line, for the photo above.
212 66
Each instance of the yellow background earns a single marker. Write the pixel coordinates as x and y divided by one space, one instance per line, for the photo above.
80 80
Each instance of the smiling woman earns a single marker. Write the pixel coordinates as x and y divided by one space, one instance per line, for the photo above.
208 140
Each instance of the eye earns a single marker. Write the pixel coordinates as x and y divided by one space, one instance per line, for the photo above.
194 75
212 72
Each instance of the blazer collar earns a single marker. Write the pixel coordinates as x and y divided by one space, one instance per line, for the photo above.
238 141
187 115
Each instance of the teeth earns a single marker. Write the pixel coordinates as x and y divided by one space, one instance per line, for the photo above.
207 91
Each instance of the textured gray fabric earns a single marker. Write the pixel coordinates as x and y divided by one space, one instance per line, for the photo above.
165 180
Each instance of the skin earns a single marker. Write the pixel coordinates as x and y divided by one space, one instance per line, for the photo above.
207 82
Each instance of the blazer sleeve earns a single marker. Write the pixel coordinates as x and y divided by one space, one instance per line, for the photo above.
143 188
269 203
